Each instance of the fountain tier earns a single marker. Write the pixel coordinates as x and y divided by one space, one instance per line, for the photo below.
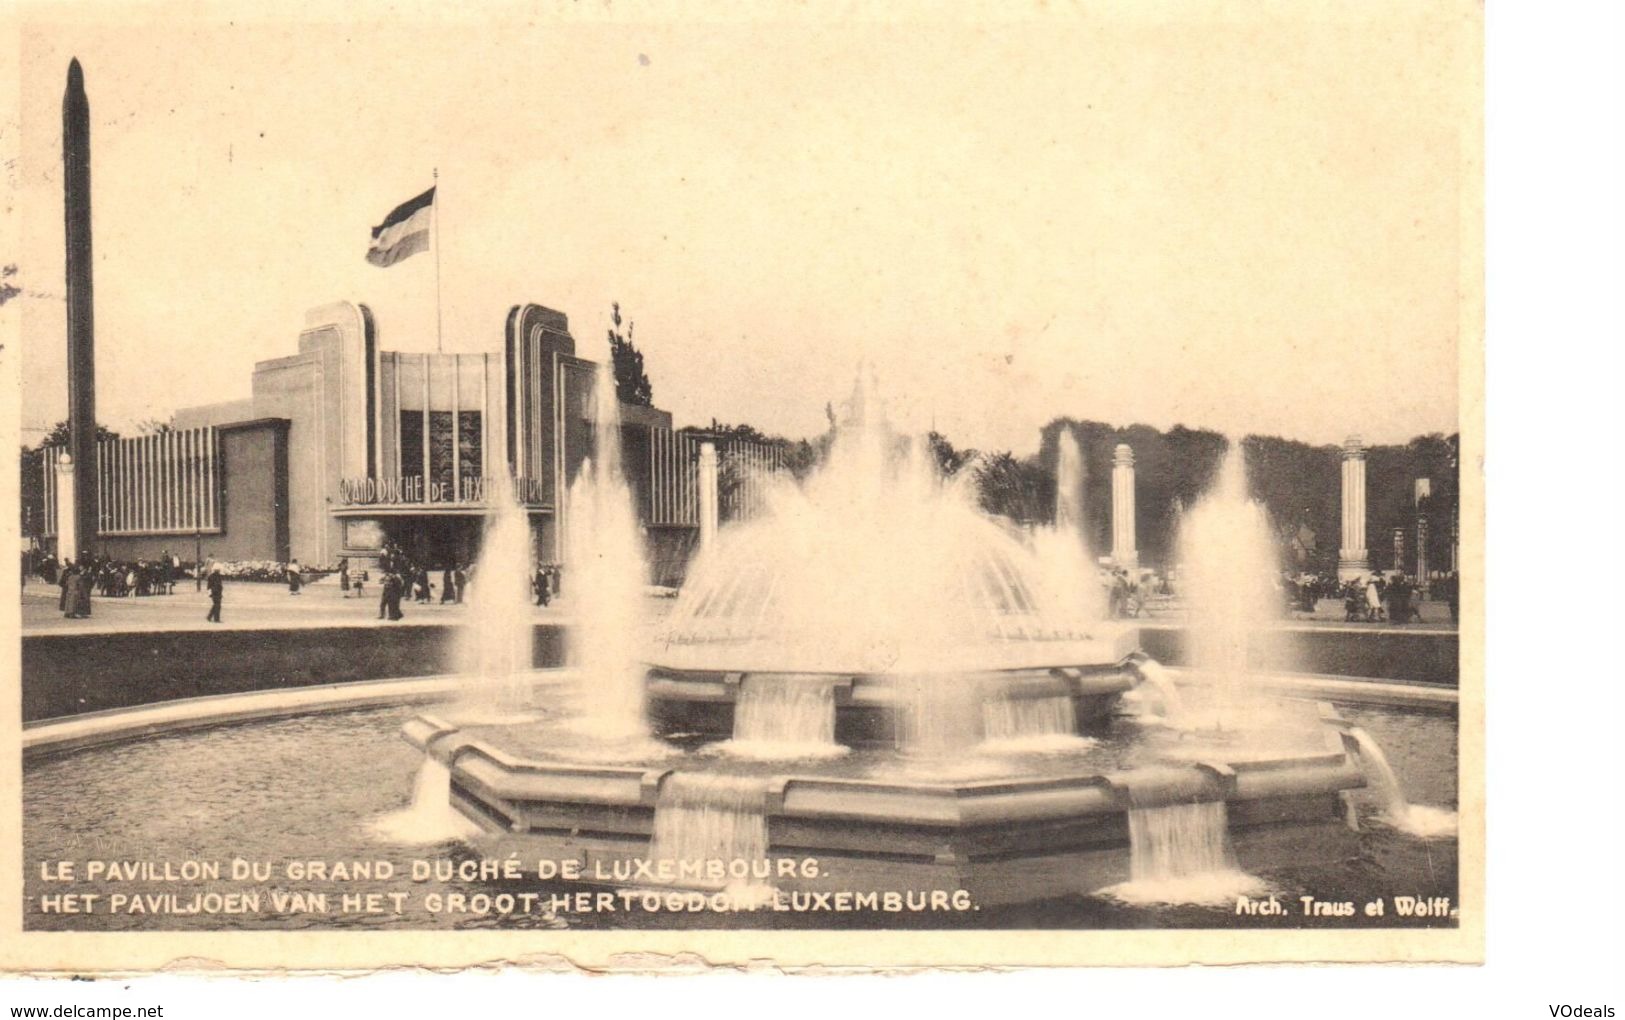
1024 836
871 709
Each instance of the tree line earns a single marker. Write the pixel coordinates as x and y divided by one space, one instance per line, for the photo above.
1299 484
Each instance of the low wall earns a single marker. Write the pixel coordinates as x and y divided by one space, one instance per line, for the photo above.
1415 656
70 674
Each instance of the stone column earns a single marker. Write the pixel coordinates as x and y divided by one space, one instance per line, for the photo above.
1123 550
708 495
1422 553
67 522
1353 560
1455 536
1424 498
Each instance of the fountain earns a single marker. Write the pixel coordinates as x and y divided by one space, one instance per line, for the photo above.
495 647
605 561
875 675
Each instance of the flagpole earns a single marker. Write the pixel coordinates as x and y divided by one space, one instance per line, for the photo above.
439 341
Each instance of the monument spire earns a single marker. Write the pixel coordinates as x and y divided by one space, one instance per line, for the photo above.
81 309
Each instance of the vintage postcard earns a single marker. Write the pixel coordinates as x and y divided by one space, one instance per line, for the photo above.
606 486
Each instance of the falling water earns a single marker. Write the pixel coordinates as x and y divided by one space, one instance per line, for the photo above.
707 816
1155 676
784 717
430 818
495 651
605 572
939 717
1180 853
1015 724
1413 819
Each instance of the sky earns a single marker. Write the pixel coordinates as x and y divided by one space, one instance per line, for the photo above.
1253 223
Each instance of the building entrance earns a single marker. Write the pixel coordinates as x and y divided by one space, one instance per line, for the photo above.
437 541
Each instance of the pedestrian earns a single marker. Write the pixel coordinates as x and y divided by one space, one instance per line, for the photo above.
396 585
217 593
64 580
344 577
81 592
460 579
1373 598
295 581
448 587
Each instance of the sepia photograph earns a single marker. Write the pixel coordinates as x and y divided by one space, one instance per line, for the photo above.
889 491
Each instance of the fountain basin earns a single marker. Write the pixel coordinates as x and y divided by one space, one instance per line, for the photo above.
1003 840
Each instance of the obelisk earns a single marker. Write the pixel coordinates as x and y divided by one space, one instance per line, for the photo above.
81 309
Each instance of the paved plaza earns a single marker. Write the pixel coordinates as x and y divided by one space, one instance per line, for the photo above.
248 605
255 605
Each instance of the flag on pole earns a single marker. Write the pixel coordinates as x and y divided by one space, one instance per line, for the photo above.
404 232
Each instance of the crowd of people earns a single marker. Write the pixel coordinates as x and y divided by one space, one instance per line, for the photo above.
401 579
78 579
1128 596
114 578
1379 597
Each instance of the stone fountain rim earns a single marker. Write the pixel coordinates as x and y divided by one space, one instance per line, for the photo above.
1334 767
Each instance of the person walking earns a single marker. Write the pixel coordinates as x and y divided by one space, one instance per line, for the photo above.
64 580
394 589
344 577
295 580
217 594
448 587
81 591
460 577
1373 598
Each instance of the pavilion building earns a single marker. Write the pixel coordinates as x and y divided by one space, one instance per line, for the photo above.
344 446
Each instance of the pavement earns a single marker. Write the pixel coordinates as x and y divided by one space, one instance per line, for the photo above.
251 605
1328 615
248 605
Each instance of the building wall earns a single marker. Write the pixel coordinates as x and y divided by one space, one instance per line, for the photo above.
536 338
251 473
440 383
329 391
223 413
256 492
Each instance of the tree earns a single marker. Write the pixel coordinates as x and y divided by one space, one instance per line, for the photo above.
1020 490
58 436
949 460
797 456
632 384
31 468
